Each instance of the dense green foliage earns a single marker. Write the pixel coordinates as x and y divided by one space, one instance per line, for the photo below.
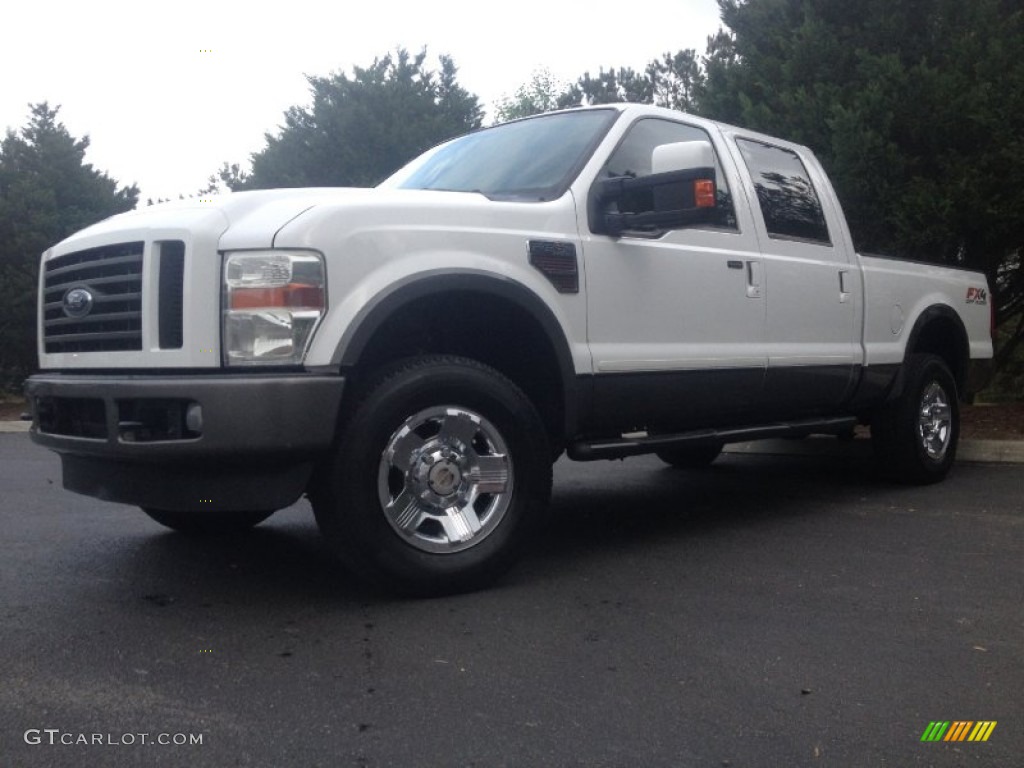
542 93
916 109
1008 384
47 192
674 81
362 127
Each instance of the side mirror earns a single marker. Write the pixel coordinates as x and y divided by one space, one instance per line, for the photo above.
680 192
682 155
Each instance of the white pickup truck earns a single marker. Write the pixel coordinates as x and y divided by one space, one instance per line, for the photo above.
604 282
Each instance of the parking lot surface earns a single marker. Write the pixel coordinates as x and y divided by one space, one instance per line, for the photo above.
768 611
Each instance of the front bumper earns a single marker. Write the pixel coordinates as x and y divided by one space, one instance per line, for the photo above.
178 442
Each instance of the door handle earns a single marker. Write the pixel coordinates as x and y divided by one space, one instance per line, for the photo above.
753 279
844 293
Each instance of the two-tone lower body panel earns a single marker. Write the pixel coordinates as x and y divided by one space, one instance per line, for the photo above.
187 441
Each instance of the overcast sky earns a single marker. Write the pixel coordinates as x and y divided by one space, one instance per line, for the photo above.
168 91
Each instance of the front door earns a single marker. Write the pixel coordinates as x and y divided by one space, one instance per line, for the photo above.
675 318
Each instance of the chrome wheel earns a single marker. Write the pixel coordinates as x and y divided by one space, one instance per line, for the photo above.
445 479
439 478
915 435
935 421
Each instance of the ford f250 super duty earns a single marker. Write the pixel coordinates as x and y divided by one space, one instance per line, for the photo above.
601 282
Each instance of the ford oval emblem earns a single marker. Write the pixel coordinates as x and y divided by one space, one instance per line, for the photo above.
77 302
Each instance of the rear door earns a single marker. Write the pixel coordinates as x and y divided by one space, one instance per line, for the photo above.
813 285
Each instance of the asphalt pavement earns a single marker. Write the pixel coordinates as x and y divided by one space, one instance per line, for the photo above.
769 611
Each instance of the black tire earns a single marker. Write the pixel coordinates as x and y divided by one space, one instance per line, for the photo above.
207 523
440 474
691 457
909 448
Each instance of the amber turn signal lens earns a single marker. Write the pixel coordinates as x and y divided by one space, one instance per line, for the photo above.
704 193
293 295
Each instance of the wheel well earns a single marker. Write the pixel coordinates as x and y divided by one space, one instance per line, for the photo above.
944 335
491 329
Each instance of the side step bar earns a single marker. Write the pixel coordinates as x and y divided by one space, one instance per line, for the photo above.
586 450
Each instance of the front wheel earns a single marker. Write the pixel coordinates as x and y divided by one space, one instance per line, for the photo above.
203 523
915 438
440 473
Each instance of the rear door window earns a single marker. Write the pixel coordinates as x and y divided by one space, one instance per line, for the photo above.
789 203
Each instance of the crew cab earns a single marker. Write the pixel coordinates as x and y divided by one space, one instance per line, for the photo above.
600 282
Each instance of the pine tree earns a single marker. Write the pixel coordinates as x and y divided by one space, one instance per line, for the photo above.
47 192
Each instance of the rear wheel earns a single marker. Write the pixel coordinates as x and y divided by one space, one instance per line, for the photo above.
203 523
440 474
915 438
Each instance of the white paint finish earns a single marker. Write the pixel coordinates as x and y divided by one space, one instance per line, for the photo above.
671 300
896 319
688 356
808 316
125 227
682 156
813 303
915 288
672 303
379 240
795 353
199 227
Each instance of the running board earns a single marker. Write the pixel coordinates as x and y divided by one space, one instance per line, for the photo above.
586 450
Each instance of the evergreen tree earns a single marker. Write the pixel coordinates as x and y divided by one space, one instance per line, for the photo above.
674 81
47 192
362 127
611 86
543 93
677 80
916 109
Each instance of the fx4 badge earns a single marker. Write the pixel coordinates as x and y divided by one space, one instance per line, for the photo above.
977 296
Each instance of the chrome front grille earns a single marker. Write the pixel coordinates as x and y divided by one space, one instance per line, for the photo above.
92 300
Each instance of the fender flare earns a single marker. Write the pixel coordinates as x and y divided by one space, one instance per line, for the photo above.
935 312
381 307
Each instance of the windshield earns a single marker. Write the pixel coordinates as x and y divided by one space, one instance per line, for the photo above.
533 159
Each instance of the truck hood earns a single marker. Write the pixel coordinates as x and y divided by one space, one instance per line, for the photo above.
253 219
260 219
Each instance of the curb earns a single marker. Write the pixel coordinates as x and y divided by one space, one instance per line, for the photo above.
982 451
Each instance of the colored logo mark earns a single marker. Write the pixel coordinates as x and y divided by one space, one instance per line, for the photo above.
958 730
977 296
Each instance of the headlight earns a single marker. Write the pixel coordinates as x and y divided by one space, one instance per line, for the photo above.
273 301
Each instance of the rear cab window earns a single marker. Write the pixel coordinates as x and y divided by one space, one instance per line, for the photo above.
788 201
